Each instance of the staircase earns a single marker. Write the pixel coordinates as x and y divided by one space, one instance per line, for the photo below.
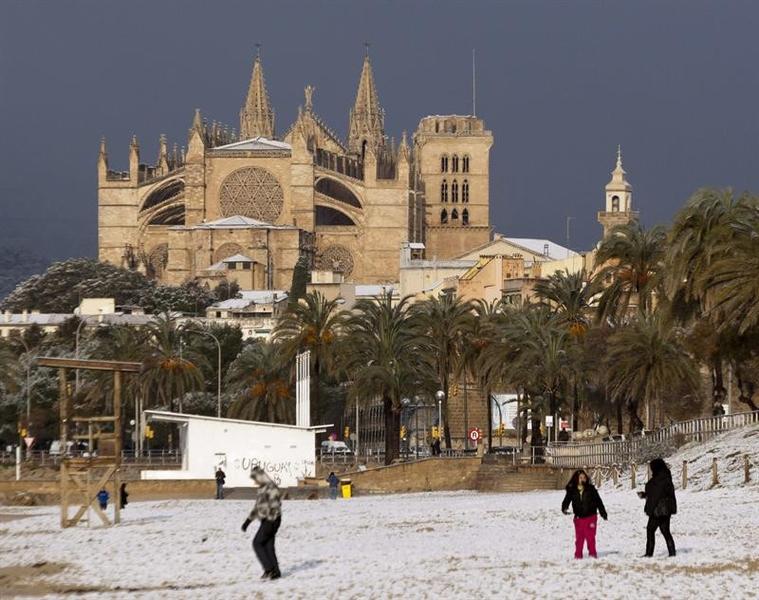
495 476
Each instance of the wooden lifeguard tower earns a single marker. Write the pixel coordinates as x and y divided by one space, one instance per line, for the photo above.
82 477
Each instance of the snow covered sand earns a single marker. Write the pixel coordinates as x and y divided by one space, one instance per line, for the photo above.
459 545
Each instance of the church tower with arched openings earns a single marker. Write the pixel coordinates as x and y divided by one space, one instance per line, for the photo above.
618 209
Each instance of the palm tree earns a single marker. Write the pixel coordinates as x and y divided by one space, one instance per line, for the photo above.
169 371
442 321
702 246
644 359
311 324
570 297
260 383
477 342
630 260
384 357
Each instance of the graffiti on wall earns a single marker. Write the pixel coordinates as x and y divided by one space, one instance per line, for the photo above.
277 470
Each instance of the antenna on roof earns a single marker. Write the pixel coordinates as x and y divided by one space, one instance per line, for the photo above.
474 87
366 49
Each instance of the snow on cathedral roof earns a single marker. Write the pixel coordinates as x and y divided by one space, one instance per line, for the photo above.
235 222
255 144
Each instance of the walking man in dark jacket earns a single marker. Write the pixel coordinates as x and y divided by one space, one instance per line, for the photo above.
333 482
268 509
220 479
586 505
661 504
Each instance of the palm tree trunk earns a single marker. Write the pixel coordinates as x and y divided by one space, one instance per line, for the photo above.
392 430
490 419
718 385
620 424
446 428
745 390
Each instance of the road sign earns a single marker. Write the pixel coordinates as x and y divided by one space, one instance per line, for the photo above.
29 441
549 420
474 434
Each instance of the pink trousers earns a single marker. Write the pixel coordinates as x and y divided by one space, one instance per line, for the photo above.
585 530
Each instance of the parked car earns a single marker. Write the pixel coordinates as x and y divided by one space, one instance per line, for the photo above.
330 447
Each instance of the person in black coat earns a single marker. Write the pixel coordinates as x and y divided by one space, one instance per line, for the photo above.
123 495
587 505
661 504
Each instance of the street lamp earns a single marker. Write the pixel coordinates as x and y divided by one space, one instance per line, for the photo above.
440 395
218 369
82 322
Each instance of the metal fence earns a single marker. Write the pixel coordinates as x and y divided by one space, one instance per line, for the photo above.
147 458
642 447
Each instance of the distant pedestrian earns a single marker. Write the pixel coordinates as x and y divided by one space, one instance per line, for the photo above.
586 505
103 499
661 504
123 495
717 409
436 447
333 483
220 479
268 509
563 435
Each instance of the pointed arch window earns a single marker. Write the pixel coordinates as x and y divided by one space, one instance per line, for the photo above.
465 191
454 163
443 216
444 163
454 215
465 164
615 204
444 191
455 191
465 217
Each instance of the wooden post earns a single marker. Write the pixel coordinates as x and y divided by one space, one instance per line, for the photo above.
715 478
685 474
648 472
746 469
63 409
615 475
117 446
633 473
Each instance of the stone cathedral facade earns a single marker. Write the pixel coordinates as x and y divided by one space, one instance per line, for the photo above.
256 200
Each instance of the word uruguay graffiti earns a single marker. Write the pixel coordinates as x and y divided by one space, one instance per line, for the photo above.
277 470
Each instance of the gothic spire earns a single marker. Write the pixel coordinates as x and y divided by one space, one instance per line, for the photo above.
257 115
366 123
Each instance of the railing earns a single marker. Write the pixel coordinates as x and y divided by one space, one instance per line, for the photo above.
646 446
43 458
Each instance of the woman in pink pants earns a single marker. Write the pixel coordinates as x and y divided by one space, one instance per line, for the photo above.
586 505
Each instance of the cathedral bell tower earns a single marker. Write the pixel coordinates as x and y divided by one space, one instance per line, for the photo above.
618 209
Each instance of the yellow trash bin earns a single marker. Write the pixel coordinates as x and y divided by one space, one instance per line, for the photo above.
347 488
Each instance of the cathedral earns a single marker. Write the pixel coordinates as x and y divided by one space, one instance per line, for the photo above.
248 204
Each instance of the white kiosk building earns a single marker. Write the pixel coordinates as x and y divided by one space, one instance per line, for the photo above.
286 452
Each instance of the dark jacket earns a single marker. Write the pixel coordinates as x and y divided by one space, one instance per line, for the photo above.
333 480
660 496
220 477
586 504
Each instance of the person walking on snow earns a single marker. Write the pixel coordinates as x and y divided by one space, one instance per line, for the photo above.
268 509
333 481
220 479
103 496
586 505
661 504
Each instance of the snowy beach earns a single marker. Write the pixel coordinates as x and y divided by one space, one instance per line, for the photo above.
413 546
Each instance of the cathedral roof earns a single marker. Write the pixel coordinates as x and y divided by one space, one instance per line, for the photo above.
235 222
255 144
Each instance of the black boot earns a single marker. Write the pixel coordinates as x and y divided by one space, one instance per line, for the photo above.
266 575
275 574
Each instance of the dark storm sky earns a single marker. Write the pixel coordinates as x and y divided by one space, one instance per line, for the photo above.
559 84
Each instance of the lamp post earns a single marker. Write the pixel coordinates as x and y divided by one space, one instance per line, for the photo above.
76 345
440 395
218 366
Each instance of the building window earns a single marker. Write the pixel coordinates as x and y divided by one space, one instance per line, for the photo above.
465 217
246 266
465 191
444 163
232 266
454 215
454 191
615 204
443 216
218 314
454 163
465 164
444 191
